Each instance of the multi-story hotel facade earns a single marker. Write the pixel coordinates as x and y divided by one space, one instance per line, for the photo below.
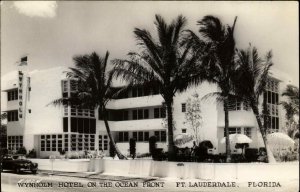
33 122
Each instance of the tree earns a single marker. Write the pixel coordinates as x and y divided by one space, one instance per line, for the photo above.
132 147
216 48
291 107
193 116
3 131
152 145
251 82
166 63
94 87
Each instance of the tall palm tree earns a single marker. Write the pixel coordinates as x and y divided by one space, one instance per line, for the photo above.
166 63
94 87
219 45
291 107
251 82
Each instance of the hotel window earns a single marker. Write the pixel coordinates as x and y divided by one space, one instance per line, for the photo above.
160 135
14 142
80 142
233 130
125 115
53 144
65 88
12 95
135 135
43 143
156 113
183 107
140 136
85 112
234 104
100 142
66 141
247 131
73 85
140 114
12 116
159 112
146 113
92 112
271 96
123 136
65 110
86 142
92 142
59 143
103 142
146 136
73 142
48 143
162 112
134 114
76 111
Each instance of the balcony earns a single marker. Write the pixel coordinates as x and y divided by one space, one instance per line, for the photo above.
136 102
136 125
239 118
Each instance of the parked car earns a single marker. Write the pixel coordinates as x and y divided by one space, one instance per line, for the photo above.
18 163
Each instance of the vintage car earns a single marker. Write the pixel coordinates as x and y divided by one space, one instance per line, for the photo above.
18 163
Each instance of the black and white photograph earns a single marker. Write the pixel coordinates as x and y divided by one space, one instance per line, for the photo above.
149 96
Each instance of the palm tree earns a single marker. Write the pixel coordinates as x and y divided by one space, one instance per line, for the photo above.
3 131
94 87
166 63
251 83
291 107
219 45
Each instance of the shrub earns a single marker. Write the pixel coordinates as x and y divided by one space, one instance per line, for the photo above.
132 148
112 150
144 155
159 155
3 151
152 145
31 154
62 152
251 154
22 150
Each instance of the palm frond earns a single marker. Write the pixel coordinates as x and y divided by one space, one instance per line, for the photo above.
217 96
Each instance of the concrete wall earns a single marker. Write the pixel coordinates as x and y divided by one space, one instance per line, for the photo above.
187 170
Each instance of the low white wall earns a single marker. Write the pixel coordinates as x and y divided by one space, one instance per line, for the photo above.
68 165
186 170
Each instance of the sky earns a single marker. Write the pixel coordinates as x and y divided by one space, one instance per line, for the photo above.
51 33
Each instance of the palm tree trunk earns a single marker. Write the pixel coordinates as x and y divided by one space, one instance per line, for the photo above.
119 154
262 130
171 146
228 153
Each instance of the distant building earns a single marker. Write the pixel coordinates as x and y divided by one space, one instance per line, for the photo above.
33 123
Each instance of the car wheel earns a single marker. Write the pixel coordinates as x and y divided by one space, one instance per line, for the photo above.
17 170
33 171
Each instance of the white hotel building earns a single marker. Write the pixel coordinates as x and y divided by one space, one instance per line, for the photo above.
35 124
